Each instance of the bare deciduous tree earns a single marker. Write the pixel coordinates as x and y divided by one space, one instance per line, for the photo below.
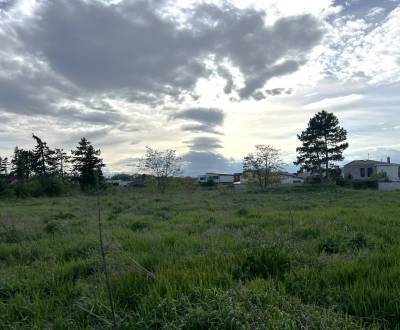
161 164
264 164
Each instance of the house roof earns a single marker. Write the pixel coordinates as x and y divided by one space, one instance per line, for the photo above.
212 173
368 162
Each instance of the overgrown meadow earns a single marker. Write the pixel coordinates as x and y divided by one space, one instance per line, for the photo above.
199 258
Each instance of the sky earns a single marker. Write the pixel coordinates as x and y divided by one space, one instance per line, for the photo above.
210 79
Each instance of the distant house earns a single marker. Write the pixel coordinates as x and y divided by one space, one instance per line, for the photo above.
134 181
280 178
219 178
290 179
364 169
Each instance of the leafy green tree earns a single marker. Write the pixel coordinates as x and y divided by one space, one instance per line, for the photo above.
43 161
323 143
161 164
264 164
87 164
21 164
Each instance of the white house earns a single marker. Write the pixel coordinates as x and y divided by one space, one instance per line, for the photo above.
290 179
282 178
364 169
222 178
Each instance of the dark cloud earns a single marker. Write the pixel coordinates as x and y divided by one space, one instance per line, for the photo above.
227 75
278 91
207 119
20 98
199 162
199 128
6 4
271 92
206 116
130 47
204 143
96 117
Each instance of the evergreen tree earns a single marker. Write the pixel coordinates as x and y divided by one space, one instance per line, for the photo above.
4 164
43 159
87 164
61 161
323 143
21 164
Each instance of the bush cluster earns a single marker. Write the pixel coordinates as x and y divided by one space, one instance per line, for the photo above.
34 187
365 184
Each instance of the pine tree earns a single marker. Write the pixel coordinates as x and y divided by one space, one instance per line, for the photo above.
43 159
61 161
323 143
87 164
4 164
21 164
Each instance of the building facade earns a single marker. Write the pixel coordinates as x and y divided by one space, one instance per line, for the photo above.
364 169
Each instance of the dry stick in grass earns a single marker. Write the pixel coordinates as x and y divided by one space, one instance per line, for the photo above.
103 257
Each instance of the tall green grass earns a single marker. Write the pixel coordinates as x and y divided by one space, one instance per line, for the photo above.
293 258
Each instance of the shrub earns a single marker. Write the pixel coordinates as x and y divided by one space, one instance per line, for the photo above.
53 187
365 184
21 190
36 187
5 188
209 183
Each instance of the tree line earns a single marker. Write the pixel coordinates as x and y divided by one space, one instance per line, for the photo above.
46 170
322 145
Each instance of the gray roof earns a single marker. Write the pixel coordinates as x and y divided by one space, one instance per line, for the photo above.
368 162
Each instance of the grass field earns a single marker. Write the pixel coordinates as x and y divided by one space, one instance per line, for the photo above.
300 258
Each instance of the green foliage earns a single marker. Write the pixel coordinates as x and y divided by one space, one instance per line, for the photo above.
365 184
123 177
209 183
323 143
87 165
5 188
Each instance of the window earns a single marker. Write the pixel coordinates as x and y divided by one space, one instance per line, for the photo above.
370 171
362 172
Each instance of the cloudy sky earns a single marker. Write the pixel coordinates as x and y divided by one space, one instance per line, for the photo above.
208 78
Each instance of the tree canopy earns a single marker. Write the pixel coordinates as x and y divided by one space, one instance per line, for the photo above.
87 164
264 163
160 164
323 143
